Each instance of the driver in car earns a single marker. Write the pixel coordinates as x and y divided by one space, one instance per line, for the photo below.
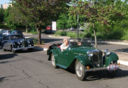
64 45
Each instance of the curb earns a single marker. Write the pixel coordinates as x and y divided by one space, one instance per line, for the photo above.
60 37
123 62
115 43
27 33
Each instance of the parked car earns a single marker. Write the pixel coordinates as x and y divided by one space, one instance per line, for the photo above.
4 32
83 59
16 42
48 30
1 38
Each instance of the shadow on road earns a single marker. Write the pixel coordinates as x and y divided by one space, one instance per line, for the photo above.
35 49
105 75
122 50
2 79
97 75
7 56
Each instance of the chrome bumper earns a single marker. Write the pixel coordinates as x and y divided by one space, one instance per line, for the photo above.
23 48
111 67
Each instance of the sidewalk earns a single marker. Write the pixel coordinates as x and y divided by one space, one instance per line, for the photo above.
123 58
115 42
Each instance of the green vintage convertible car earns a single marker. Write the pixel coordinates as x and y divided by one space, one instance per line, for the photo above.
83 59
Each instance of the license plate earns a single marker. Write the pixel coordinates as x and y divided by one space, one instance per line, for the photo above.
112 67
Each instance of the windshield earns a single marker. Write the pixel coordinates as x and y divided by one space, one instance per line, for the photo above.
75 43
15 37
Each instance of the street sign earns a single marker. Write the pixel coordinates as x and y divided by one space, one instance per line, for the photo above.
54 25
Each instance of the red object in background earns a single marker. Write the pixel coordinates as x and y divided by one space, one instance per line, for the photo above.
48 28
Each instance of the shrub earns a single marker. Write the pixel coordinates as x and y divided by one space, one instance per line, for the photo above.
61 33
72 34
125 36
32 30
36 41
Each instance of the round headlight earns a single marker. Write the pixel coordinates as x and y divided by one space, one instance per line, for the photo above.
28 41
107 52
18 42
90 53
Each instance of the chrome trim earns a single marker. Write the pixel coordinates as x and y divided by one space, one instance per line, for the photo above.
115 67
23 48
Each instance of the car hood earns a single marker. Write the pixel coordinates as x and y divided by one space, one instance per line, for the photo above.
83 49
18 40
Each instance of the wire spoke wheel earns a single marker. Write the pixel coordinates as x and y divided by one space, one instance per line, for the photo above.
53 61
80 71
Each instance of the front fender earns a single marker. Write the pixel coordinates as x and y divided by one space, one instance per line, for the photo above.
112 57
83 60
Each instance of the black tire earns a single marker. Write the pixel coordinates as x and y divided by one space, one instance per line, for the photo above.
53 61
31 49
80 71
4 49
112 73
11 49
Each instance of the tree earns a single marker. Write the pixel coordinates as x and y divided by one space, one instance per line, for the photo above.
62 21
99 11
40 12
1 15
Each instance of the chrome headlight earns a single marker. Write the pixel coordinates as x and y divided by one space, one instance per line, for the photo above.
28 41
19 42
107 52
90 53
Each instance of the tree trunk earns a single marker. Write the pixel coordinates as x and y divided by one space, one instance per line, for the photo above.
77 31
95 36
26 29
39 35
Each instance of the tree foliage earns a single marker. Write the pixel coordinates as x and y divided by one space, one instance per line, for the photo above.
1 15
40 12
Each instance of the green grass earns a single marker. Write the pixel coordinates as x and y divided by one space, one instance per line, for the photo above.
125 36
36 41
71 34
61 33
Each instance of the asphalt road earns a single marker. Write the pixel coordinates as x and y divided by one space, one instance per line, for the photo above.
32 70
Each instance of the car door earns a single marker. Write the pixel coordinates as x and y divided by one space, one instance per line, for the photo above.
57 54
65 58
5 42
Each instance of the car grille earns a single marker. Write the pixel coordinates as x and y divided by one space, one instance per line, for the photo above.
25 43
97 58
20 44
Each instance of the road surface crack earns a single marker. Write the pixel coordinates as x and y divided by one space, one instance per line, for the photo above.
43 84
26 74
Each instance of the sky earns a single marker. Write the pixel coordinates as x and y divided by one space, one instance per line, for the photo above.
4 1
7 1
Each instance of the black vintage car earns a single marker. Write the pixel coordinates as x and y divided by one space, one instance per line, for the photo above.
15 42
